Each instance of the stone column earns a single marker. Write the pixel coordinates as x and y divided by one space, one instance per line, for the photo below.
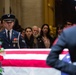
7 6
2 8
18 10
15 6
31 12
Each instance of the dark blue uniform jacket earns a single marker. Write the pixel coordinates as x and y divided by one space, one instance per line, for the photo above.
16 40
67 39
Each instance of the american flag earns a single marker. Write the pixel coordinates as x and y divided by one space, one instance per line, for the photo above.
29 62
66 59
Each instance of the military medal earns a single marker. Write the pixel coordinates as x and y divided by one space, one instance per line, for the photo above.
15 41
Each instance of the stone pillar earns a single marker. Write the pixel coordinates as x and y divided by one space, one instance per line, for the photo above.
2 8
49 12
18 10
15 6
31 13
7 6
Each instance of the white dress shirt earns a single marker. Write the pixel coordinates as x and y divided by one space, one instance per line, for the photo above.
10 33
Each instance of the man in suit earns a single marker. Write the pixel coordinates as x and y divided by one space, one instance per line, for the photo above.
10 38
67 39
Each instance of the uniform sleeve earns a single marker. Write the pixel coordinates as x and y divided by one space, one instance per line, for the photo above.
22 42
53 57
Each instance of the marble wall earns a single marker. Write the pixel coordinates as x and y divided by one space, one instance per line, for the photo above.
31 12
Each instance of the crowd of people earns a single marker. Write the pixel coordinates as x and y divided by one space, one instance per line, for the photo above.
12 35
34 37
29 37
37 38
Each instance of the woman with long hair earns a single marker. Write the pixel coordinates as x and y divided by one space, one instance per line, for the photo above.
45 40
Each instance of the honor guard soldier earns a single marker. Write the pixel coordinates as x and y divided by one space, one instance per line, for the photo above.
9 37
67 39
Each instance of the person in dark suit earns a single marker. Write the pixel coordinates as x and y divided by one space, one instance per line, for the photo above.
67 39
10 38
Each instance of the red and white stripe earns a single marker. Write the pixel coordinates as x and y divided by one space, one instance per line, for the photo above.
28 59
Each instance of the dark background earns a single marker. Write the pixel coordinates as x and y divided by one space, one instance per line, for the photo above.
64 10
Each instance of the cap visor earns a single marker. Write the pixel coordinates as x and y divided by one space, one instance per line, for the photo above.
9 20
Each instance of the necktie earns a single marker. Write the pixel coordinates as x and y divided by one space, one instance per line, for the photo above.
8 35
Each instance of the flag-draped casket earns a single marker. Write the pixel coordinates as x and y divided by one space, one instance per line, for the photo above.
28 62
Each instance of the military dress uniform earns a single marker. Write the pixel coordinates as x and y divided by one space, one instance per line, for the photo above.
16 40
67 39
10 38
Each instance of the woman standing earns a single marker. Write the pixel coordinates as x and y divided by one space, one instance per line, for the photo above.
29 37
45 40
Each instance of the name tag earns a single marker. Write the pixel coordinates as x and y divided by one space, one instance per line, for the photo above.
16 41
